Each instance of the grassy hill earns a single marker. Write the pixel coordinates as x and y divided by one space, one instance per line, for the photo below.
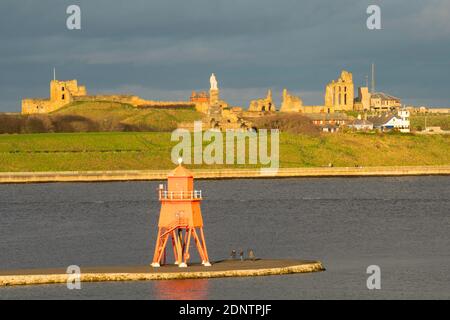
110 115
99 117
137 150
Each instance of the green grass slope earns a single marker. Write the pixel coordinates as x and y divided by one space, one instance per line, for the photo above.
110 114
146 151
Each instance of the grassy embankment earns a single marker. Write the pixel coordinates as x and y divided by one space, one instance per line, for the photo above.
418 121
141 151
99 117
111 114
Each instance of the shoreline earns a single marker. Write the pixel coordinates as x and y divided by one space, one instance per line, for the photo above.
220 269
152 175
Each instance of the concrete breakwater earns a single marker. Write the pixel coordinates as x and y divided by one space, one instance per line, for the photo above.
142 175
222 269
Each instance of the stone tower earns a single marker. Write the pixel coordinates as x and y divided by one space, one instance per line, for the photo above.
364 97
339 94
64 91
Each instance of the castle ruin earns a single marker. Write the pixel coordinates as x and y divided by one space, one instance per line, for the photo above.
217 113
339 94
291 103
61 94
263 105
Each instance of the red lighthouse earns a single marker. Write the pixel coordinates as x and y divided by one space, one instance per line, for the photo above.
180 219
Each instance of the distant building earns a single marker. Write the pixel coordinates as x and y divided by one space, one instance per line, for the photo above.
201 100
386 122
425 109
199 97
405 123
439 110
382 102
330 128
361 125
328 122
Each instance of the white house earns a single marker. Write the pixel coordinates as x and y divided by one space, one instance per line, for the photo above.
391 121
404 125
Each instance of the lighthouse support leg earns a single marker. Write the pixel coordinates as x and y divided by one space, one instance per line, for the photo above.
177 250
186 252
199 247
164 258
207 263
180 245
174 246
155 262
186 233
163 248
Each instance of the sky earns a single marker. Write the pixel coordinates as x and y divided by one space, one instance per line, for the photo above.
164 49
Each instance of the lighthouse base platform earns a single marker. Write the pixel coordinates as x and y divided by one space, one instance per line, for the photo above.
220 269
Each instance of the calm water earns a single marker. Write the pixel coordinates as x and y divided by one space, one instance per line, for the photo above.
400 224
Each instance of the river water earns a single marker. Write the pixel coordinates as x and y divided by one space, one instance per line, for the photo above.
400 224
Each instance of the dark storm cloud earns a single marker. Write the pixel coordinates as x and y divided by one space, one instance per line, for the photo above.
164 49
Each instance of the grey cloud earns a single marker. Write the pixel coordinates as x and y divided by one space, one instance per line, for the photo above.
169 47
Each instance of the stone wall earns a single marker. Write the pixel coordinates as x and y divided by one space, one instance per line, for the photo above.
315 109
291 103
136 175
263 105
32 106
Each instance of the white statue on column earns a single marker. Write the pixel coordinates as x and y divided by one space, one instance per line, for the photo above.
213 82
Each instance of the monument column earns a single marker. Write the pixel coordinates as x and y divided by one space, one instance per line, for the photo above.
214 90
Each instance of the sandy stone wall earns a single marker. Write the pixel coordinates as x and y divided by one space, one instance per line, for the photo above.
362 103
33 106
263 105
315 109
291 103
